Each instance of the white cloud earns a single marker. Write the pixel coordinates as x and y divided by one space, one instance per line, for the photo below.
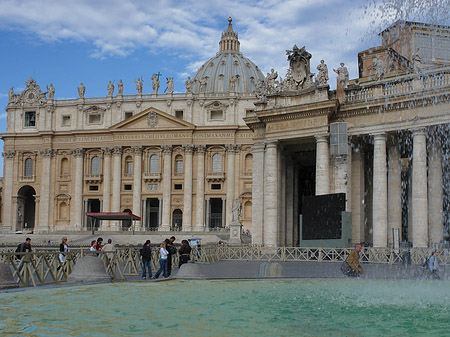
334 31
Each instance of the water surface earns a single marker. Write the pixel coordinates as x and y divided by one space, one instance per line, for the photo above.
231 308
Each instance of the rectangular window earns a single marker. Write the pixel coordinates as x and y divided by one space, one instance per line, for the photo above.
65 120
95 119
127 187
178 187
93 188
216 186
179 167
216 115
179 114
128 114
30 118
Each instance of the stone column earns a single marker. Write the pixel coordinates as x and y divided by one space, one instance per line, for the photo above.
78 195
270 195
395 192
290 204
106 185
357 194
258 194
187 214
160 202
44 206
224 206
341 176
379 225
230 183
8 175
208 213
137 184
200 197
435 194
117 181
167 187
322 165
419 190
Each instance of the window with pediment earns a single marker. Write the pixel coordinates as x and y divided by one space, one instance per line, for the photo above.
129 166
154 163
217 163
95 165
28 171
179 164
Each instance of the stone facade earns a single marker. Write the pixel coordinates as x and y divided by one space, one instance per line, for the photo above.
179 160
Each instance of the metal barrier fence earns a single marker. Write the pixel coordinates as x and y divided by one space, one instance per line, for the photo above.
45 267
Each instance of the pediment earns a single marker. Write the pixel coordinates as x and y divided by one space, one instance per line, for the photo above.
152 119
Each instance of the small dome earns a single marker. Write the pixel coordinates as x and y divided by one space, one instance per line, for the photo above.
229 70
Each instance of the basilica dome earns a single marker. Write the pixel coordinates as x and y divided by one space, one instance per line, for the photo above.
229 70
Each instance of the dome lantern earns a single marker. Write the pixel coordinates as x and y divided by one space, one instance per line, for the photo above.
229 41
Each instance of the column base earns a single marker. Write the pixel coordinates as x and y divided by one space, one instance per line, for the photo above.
164 228
199 228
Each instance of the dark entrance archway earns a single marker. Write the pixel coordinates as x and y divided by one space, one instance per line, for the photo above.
126 224
26 208
177 220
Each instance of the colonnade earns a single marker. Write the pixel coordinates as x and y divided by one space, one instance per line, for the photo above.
274 224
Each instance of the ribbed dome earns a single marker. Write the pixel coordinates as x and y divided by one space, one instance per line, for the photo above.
228 69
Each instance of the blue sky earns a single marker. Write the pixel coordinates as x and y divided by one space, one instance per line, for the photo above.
67 42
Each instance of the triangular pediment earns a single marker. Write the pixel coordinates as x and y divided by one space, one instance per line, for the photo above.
152 119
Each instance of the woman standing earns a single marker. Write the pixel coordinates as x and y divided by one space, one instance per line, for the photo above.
63 248
163 260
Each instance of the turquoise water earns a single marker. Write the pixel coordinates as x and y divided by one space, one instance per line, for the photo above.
231 308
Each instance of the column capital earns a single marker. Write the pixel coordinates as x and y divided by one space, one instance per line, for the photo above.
418 132
167 149
78 152
137 150
258 148
379 136
271 144
117 150
200 148
229 147
9 154
188 148
321 138
47 152
107 151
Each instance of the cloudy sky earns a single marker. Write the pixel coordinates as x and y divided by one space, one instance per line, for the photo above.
66 42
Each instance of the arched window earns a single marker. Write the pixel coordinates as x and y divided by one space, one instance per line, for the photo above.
95 165
28 167
64 167
154 163
217 163
248 163
63 211
179 164
128 166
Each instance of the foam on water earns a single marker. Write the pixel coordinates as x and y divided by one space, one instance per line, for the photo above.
234 308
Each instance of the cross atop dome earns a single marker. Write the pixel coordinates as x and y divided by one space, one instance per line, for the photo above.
229 41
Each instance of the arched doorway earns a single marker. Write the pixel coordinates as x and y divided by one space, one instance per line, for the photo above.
177 220
126 224
26 208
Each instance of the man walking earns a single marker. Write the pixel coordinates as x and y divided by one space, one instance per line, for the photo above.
433 265
23 248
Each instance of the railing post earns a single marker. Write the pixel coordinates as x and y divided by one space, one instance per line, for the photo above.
319 258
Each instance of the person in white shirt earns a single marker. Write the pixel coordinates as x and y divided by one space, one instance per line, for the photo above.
93 246
163 260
